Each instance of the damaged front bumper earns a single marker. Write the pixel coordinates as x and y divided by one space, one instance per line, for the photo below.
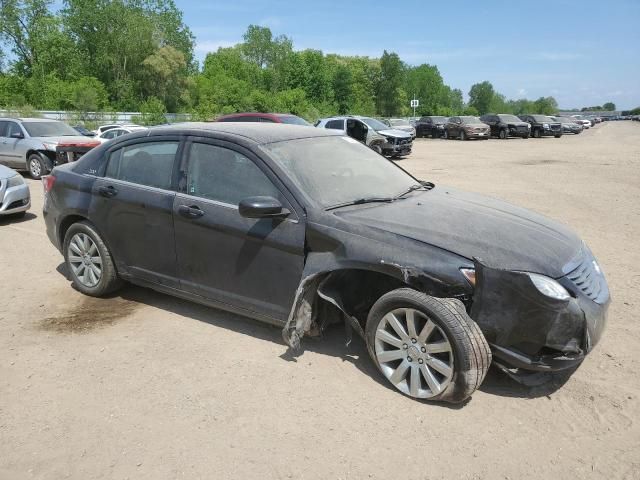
529 330
73 151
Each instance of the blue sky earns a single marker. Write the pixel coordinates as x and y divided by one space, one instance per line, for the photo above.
581 52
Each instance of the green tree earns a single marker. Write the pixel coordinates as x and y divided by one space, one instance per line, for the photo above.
545 106
153 112
389 91
425 82
343 89
480 97
609 107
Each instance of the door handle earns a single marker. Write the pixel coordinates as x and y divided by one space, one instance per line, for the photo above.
108 192
192 211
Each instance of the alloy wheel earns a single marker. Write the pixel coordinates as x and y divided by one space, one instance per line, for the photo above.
85 260
414 353
35 167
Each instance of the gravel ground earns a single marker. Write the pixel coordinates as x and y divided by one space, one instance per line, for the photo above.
146 386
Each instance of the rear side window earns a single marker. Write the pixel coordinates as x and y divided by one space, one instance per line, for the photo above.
12 127
225 175
335 124
149 164
3 129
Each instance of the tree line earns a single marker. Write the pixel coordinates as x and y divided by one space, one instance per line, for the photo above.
138 55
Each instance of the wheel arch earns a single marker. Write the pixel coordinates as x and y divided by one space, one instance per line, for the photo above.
66 223
48 156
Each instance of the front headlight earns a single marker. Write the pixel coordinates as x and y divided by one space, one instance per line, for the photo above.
15 181
49 146
549 287
545 126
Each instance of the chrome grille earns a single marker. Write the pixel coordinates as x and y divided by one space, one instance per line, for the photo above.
590 280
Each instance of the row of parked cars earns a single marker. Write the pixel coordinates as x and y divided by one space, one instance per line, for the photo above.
501 126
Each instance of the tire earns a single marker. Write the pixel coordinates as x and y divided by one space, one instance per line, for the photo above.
36 166
536 133
377 148
557 136
454 342
446 134
80 271
503 134
526 136
462 135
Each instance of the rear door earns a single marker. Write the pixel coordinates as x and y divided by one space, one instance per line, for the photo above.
132 207
251 264
13 151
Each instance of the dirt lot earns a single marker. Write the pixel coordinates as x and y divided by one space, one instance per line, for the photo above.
146 386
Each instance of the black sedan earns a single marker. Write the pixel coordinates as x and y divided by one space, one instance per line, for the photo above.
303 228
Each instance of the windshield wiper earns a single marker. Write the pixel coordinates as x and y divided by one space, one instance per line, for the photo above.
361 201
413 188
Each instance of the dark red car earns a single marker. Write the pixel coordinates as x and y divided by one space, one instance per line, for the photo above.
264 117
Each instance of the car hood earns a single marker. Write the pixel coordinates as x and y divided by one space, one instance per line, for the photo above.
6 172
517 124
63 139
500 234
394 132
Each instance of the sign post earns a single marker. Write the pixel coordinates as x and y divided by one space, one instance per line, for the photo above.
414 104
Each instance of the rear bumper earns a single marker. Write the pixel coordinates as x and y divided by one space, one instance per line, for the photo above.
15 200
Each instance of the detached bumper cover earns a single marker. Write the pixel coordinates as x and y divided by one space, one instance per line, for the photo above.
529 330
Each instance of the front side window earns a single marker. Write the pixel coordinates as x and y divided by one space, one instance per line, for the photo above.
149 164
13 128
225 175
335 125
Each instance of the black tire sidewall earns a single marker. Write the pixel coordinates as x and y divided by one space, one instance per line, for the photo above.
108 280
387 304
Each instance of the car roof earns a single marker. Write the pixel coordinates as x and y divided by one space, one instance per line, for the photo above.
261 133
257 114
30 119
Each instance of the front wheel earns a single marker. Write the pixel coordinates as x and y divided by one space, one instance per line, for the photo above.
36 166
503 134
537 133
89 262
463 135
427 347
446 135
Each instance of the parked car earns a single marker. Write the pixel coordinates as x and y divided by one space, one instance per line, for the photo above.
15 198
104 128
117 132
586 123
465 128
504 126
569 125
264 117
401 124
379 137
32 143
542 126
431 126
312 228
84 131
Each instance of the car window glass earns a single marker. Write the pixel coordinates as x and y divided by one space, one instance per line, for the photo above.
149 164
108 134
225 175
265 120
335 124
12 128
3 128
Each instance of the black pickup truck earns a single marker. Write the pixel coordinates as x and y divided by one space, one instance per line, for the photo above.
542 126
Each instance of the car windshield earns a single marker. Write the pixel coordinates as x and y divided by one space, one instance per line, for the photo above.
509 118
338 169
48 129
293 120
398 122
470 119
375 124
541 118
439 119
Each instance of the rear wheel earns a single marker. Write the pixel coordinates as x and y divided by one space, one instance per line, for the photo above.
89 262
503 134
427 347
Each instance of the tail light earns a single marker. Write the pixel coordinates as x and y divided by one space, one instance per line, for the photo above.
47 182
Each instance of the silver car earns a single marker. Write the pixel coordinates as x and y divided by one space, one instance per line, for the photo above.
14 193
30 143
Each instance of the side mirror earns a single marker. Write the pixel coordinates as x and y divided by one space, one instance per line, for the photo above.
17 135
262 207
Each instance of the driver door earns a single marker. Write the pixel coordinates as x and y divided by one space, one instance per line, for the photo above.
358 130
252 264
13 152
